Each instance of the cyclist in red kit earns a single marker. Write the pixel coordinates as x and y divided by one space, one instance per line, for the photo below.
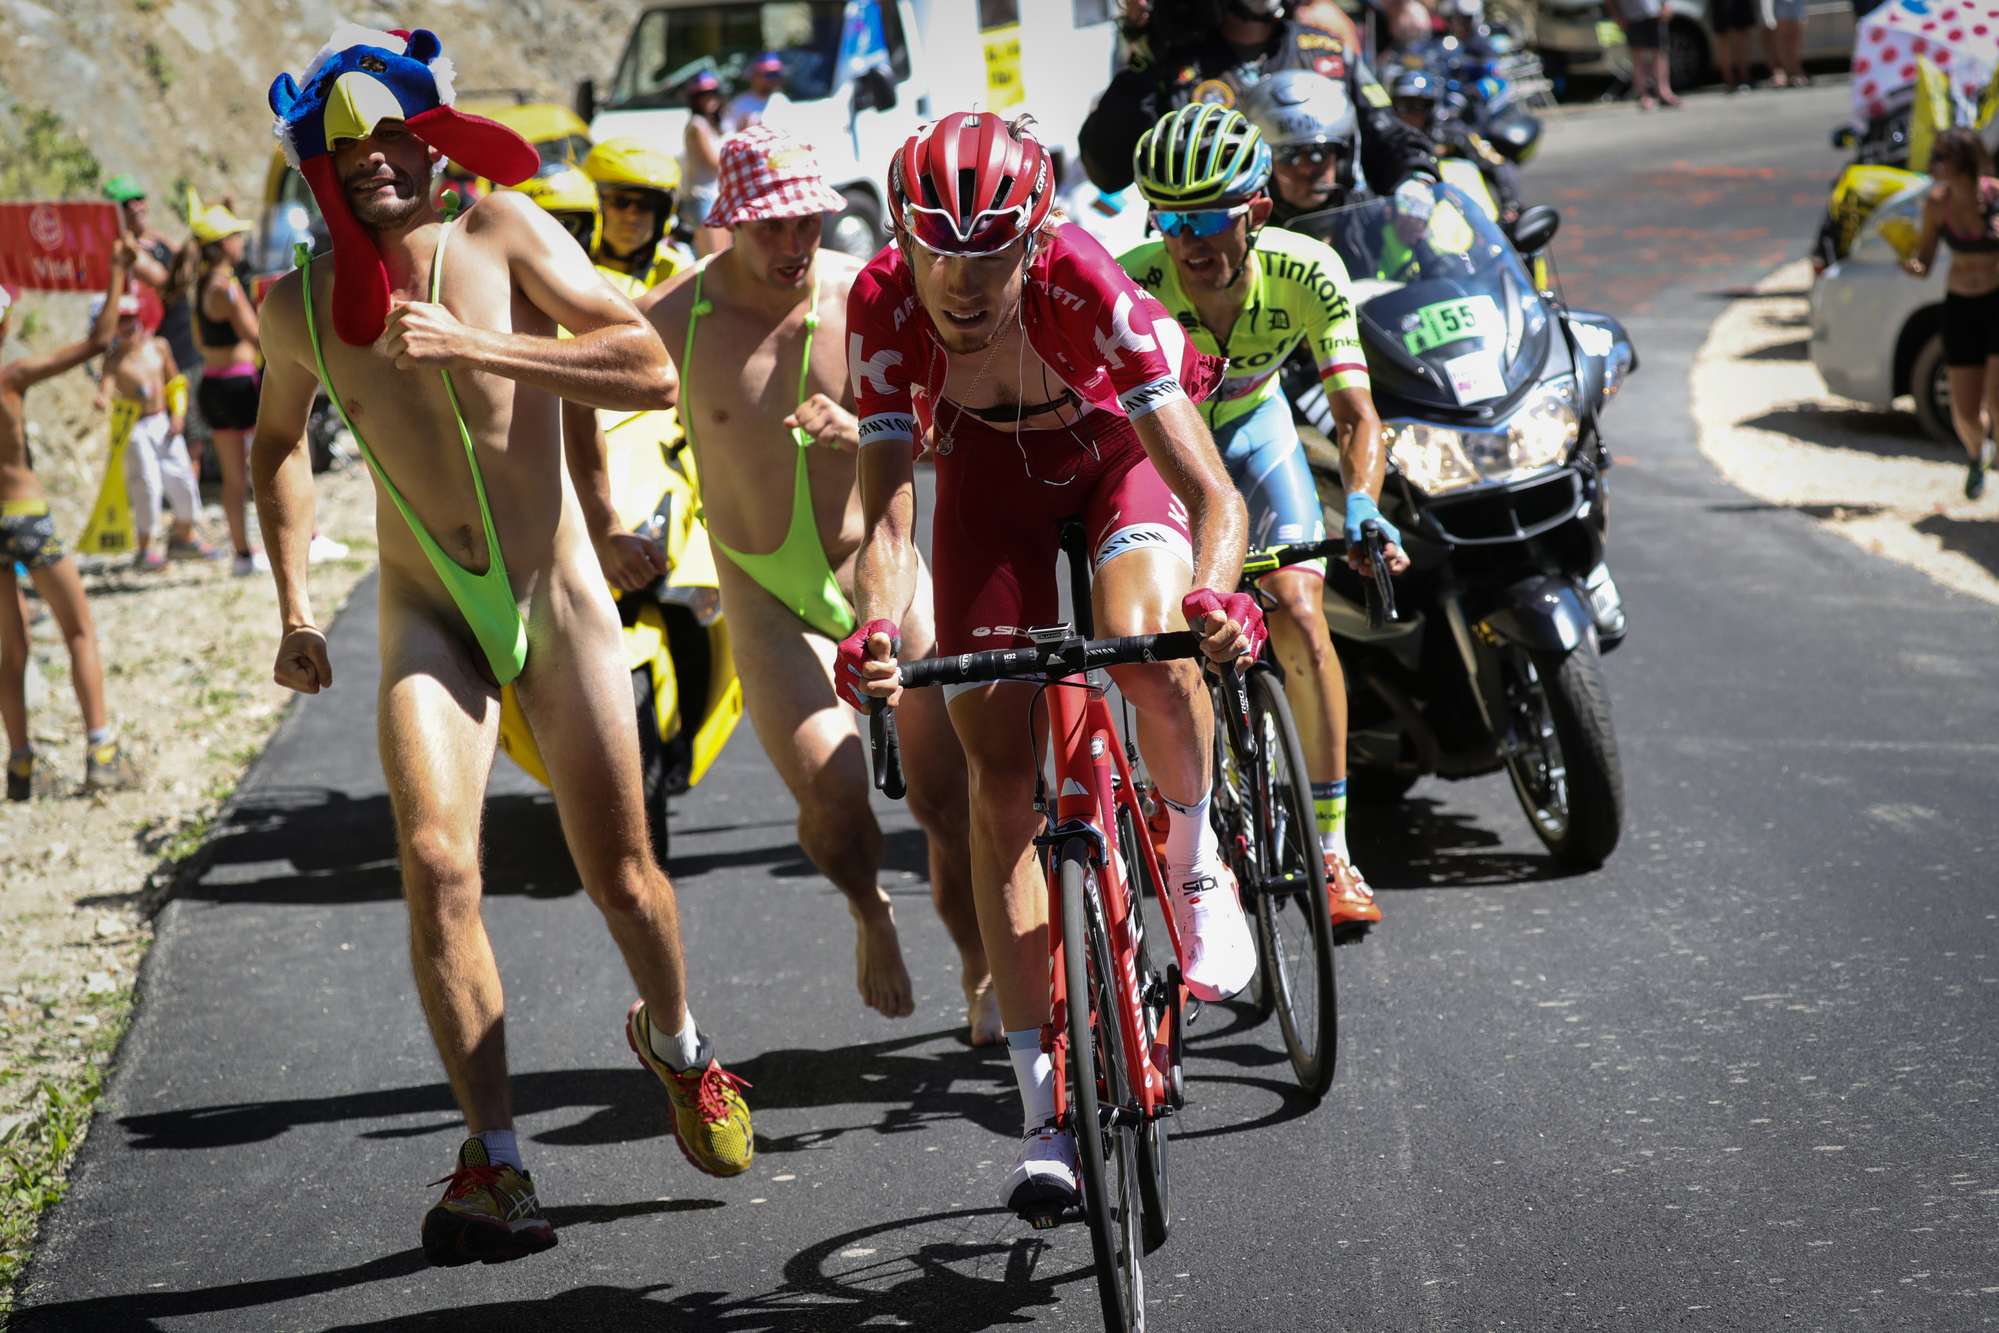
1047 385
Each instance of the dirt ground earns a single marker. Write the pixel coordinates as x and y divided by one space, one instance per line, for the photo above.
1770 426
187 656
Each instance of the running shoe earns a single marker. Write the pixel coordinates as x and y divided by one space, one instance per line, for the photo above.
33 777
488 1215
1351 899
324 549
1974 477
151 560
1208 917
109 768
711 1122
245 565
1046 1176
192 550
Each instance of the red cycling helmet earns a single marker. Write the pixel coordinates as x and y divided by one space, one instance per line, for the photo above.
970 184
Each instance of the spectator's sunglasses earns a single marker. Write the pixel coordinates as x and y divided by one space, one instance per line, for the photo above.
1198 221
1314 155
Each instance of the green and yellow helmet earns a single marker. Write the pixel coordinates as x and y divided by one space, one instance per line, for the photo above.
570 197
1202 156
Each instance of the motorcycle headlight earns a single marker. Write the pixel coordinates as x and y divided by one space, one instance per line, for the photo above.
1540 433
1431 457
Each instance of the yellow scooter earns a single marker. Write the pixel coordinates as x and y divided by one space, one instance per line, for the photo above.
684 682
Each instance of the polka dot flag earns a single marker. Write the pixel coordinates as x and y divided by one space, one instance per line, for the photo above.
1959 37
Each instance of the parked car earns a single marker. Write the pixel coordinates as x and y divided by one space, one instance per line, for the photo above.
1875 327
1578 37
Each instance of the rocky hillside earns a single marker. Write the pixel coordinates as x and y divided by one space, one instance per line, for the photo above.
174 92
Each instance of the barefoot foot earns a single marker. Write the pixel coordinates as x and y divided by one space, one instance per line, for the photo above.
982 1012
879 973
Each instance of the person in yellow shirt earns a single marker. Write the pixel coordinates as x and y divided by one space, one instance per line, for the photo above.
636 188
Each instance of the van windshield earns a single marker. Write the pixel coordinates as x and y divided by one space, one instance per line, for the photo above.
671 46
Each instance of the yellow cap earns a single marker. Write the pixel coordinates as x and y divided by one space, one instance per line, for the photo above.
632 161
571 199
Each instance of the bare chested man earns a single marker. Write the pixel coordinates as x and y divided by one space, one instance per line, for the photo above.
28 538
138 371
449 373
760 416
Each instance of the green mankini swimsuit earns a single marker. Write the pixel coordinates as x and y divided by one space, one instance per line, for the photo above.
796 573
486 600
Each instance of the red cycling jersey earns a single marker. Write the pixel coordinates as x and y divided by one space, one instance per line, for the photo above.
1108 339
1000 494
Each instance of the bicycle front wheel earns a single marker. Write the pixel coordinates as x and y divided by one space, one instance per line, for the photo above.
1294 924
1098 1086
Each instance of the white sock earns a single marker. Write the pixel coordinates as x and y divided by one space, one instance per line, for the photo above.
500 1146
679 1049
1190 838
1035 1073
1336 841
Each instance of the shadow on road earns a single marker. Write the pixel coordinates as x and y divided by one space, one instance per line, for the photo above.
321 846
1421 845
1974 538
629 1105
1860 430
954 1272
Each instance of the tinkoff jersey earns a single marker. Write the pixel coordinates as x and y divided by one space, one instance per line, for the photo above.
1298 292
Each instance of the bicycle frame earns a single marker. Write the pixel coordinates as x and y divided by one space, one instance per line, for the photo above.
1092 780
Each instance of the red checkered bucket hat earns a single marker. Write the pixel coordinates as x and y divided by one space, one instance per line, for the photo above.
767 173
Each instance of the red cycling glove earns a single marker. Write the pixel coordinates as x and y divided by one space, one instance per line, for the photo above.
1237 606
853 652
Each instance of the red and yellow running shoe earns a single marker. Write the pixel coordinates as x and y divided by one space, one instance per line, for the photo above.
488 1215
711 1122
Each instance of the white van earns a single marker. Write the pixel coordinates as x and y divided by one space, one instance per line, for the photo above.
861 76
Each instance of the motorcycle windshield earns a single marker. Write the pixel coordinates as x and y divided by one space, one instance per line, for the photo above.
1448 316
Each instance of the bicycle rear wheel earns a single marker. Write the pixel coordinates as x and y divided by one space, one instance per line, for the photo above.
1294 925
1098 1084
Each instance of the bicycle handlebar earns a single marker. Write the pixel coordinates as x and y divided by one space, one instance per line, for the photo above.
1071 656
1381 605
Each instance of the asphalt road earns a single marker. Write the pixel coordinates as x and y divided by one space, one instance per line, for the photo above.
1741 1078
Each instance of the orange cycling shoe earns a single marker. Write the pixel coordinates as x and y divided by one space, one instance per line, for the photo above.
1351 899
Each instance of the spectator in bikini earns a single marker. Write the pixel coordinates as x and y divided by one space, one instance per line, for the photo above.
149 402
225 325
767 394
28 537
701 145
162 265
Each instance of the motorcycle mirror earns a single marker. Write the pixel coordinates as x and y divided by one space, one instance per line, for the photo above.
1842 137
586 100
874 90
1535 227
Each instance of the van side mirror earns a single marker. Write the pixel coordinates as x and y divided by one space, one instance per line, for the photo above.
875 90
586 100
1535 227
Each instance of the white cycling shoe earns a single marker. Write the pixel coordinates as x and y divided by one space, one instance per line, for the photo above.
1046 1177
1214 933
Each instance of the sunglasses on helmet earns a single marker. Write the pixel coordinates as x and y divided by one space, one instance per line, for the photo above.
1198 221
989 231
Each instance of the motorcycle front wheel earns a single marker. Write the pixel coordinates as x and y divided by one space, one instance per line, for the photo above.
1561 753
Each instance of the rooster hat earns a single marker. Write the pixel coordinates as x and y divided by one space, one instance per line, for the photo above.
360 78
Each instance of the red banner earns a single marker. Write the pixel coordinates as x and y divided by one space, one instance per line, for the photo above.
57 247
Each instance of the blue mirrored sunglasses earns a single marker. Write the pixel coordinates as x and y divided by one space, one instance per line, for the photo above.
1200 222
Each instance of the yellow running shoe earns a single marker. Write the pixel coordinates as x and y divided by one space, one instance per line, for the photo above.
711 1122
488 1215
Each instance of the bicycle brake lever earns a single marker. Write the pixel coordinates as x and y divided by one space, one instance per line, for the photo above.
1381 594
887 751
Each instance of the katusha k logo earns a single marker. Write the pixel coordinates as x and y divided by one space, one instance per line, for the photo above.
45 225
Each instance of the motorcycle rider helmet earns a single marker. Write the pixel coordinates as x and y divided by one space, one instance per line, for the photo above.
570 198
1307 117
1416 95
1202 157
629 163
970 184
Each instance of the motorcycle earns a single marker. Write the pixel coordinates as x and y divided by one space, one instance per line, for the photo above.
1491 393
684 684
